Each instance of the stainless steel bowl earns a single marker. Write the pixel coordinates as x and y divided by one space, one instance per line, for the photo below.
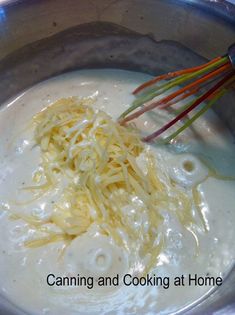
42 38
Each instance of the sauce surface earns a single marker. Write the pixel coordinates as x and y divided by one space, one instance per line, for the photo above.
203 158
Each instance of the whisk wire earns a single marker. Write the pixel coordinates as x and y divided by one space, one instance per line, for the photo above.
196 81
173 74
171 84
165 100
190 108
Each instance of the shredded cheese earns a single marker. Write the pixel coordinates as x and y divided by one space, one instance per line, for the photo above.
98 158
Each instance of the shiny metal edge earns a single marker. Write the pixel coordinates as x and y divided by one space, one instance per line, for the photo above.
223 9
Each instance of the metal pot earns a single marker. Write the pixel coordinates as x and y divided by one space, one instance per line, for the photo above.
41 38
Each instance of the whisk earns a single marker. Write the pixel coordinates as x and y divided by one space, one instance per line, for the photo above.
208 82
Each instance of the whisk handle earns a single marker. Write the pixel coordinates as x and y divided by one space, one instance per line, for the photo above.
231 54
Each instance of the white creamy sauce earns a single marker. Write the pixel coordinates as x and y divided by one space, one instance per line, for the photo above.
24 271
